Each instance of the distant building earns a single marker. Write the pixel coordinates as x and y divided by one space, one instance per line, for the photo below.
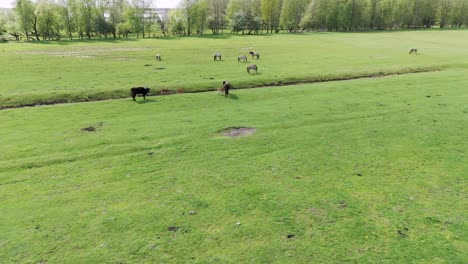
5 10
163 12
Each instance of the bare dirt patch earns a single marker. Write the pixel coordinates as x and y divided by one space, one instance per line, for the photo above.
88 129
238 131
92 128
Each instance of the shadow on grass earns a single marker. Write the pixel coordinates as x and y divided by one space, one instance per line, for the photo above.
233 97
147 101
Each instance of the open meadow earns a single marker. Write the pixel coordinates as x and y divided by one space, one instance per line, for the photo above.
369 170
73 71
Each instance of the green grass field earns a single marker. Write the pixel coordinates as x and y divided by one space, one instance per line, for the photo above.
359 171
38 73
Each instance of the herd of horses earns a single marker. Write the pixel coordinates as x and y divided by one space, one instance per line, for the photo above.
241 58
225 89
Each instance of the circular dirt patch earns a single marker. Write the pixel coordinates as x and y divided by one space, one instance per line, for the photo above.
238 131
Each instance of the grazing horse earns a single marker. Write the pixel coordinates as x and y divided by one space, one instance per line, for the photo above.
139 90
242 58
217 55
158 57
180 91
254 54
413 51
164 91
252 67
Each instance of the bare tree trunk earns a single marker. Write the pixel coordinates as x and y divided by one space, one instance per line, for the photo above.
35 28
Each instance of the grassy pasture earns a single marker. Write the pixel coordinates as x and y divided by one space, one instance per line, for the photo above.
65 71
362 171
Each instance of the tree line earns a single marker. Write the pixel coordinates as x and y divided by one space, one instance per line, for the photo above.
86 19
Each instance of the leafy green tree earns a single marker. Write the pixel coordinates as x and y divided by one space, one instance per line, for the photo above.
238 22
459 13
356 12
25 11
201 16
116 14
102 27
217 15
3 22
12 25
64 8
444 12
291 14
87 12
124 28
176 22
375 13
48 21
189 11
270 13
140 16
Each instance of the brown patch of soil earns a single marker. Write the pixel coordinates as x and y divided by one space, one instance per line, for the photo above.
89 129
92 128
238 131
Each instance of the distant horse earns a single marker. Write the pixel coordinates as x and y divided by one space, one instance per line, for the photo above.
254 54
242 58
220 90
180 91
413 51
217 55
252 67
158 57
164 91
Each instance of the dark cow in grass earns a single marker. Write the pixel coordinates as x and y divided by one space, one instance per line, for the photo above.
139 90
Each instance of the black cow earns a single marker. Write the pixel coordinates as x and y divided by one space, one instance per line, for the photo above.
139 90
